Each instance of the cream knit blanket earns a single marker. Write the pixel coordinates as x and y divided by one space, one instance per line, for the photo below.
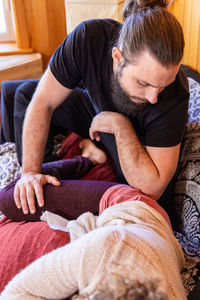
129 231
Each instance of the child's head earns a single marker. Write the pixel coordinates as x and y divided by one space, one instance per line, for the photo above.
118 285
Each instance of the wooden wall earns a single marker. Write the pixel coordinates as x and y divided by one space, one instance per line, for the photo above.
188 14
40 25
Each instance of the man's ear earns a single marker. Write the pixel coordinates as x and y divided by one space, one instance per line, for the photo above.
116 55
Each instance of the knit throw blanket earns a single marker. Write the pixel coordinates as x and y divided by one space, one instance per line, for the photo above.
130 213
130 232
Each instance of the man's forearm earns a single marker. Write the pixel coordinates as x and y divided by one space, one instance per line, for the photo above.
137 166
35 132
148 169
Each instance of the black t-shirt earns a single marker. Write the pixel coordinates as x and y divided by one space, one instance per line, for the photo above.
85 56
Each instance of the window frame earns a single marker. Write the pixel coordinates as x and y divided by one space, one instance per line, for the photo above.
9 35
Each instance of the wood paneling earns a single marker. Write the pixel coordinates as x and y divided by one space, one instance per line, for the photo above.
21 22
23 66
41 25
11 48
48 26
188 14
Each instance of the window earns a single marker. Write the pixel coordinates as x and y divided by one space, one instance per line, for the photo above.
6 22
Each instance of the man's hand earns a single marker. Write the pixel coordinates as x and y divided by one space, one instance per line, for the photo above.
106 122
29 187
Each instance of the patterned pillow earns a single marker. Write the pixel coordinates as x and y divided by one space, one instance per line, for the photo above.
187 187
194 103
9 165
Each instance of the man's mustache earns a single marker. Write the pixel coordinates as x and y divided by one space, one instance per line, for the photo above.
140 100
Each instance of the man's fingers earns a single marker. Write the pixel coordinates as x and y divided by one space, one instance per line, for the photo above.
97 137
52 180
24 200
94 135
17 197
38 188
30 193
91 133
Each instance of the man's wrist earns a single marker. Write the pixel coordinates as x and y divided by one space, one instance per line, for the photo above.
123 127
31 171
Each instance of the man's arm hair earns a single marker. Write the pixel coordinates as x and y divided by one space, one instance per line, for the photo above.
48 95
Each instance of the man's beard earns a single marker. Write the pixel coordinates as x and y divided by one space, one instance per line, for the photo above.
121 100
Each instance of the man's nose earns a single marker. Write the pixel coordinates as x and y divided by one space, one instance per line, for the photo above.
152 95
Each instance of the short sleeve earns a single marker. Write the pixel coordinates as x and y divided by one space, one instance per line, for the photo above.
65 64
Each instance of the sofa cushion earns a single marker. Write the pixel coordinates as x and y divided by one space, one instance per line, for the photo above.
187 187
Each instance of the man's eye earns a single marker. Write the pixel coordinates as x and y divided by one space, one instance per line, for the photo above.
142 83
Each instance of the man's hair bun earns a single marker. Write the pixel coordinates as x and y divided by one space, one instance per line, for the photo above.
149 26
136 6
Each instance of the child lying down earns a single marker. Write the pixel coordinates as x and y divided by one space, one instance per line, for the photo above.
127 252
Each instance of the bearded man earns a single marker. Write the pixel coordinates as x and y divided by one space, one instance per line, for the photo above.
133 100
